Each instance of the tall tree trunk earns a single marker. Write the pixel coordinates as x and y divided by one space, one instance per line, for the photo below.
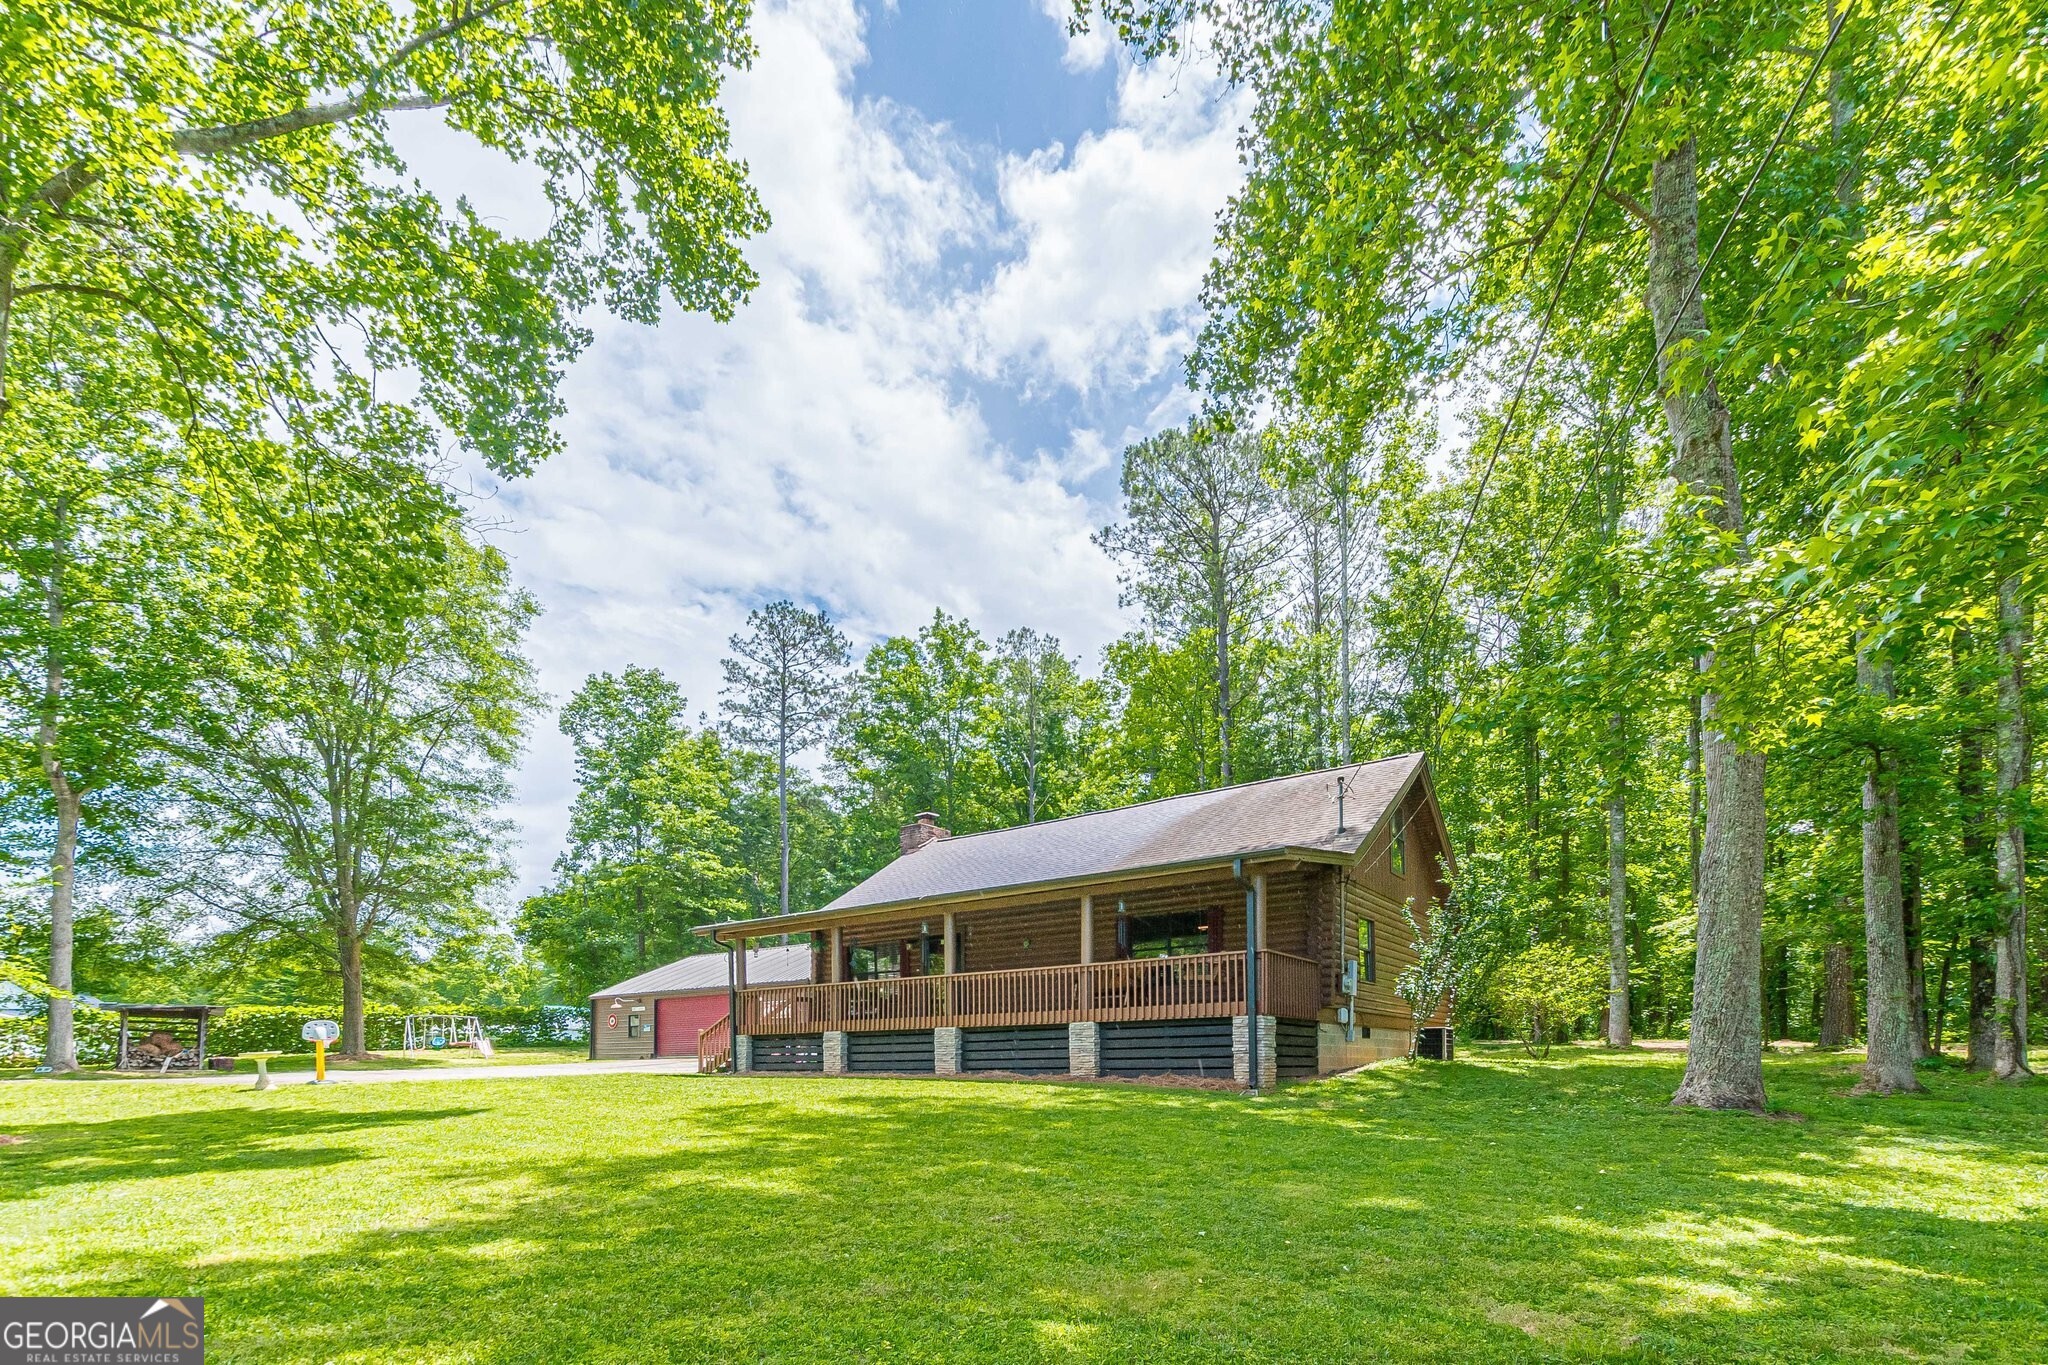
1838 998
1619 1030
1223 702
1693 798
1887 999
349 945
60 1049
782 807
1724 1062
1983 1014
1916 948
1344 617
1979 875
2009 967
1948 965
60 1045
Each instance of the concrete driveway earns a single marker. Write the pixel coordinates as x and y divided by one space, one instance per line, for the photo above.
660 1066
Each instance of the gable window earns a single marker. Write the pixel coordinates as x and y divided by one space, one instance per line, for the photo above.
1177 934
1397 857
1368 952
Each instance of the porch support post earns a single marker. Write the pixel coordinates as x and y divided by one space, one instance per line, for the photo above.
1087 995
202 1038
952 946
835 1052
946 1051
742 1045
1255 1036
838 964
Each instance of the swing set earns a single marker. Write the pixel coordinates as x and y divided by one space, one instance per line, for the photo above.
433 1032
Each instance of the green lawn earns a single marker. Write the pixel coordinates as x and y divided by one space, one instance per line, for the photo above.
1497 1208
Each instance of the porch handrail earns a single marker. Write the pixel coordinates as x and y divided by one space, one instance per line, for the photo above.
714 1045
1194 985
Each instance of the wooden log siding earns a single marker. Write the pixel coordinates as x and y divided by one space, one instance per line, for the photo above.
1195 986
1379 1006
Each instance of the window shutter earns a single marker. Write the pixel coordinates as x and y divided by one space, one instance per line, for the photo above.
1212 925
1123 936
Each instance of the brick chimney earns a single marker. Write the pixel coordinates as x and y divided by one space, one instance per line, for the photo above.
921 831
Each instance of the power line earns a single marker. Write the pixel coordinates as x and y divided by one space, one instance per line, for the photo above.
1549 314
1755 175
1742 202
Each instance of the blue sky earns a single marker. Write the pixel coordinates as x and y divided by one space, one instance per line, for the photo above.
980 285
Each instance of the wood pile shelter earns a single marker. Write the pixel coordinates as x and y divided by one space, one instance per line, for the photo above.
1251 932
185 1023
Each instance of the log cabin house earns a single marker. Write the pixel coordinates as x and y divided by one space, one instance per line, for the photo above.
1184 936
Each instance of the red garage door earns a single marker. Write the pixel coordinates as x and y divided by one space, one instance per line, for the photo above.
677 1019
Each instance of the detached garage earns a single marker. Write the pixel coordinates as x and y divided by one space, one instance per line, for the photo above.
659 1013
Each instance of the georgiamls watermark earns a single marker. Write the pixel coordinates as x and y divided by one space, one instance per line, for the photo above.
126 1331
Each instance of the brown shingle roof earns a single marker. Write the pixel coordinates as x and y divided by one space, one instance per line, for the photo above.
1293 814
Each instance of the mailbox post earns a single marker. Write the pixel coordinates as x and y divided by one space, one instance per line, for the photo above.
320 1032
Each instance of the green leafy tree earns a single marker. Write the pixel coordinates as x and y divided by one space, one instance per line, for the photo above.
1202 532
144 147
1546 989
114 605
914 735
1041 712
342 784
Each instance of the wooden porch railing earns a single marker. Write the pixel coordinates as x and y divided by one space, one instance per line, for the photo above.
714 1046
1200 985
1290 987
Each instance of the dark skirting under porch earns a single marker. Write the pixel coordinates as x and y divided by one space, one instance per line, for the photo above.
788 1052
909 1052
1028 1051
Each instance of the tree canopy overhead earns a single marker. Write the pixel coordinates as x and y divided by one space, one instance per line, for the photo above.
229 180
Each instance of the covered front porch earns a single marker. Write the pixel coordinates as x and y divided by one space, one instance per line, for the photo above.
1201 971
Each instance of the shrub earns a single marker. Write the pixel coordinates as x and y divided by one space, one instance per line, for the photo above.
1544 989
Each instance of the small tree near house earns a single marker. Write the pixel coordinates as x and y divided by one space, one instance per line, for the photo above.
1544 988
1452 952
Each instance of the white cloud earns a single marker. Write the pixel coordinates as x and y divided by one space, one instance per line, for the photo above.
1087 50
1115 237
825 445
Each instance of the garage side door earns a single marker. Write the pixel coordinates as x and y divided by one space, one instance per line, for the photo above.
678 1018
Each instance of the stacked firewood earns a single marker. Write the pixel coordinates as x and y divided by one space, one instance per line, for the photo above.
159 1048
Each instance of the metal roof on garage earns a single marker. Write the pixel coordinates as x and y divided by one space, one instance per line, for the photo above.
713 972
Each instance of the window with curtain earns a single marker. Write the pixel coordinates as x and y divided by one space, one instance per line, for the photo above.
1368 951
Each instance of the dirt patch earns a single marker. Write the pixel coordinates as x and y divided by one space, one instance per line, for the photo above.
9 1140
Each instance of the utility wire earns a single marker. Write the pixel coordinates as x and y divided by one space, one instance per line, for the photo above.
1549 314
1657 355
1756 175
